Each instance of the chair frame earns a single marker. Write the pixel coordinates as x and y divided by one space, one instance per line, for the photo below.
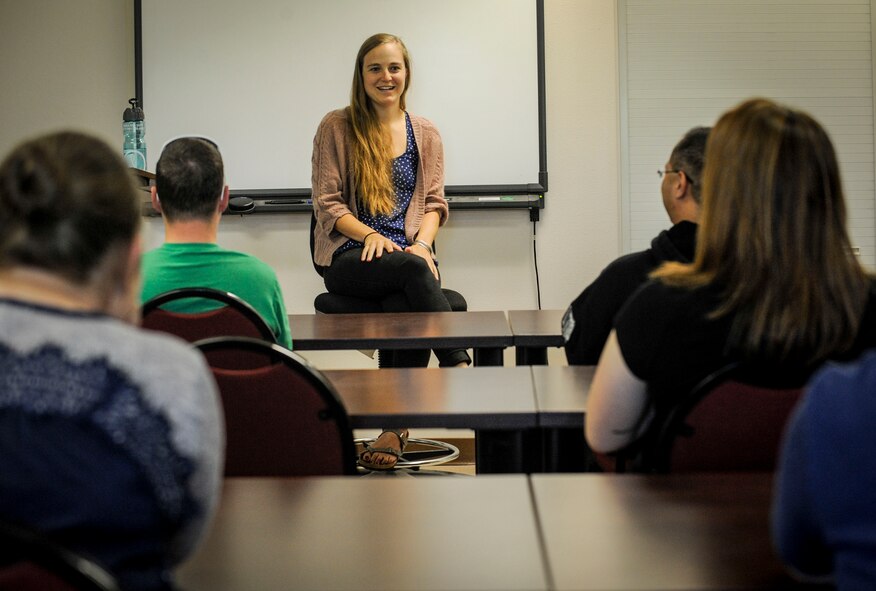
224 297
279 354
20 544
657 454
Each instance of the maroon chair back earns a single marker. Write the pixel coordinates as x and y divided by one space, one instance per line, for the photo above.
726 425
281 419
235 318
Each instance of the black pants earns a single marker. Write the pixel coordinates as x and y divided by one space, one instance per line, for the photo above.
402 282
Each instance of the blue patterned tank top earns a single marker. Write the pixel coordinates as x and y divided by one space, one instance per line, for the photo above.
404 179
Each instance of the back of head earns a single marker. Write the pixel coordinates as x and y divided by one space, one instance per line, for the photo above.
688 155
773 234
773 195
189 178
66 200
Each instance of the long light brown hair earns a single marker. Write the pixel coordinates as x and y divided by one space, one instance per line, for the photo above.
372 147
773 236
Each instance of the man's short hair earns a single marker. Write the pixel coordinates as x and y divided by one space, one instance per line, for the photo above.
689 154
189 178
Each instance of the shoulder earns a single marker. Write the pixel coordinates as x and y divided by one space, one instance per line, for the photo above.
335 117
427 127
156 358
422 121
333 122
655 294
632 268
246 261
656 309
153 256
845 385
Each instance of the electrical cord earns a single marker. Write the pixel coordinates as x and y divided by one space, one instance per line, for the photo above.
533 215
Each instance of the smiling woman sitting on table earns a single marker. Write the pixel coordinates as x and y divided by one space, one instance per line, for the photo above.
774 283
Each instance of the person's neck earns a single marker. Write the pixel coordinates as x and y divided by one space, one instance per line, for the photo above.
45 288
388 115
191 231
685 213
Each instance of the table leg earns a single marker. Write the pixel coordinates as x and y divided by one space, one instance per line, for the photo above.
531 355
489 356
507 451
566 450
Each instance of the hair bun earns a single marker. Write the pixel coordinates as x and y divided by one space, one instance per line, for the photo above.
31 186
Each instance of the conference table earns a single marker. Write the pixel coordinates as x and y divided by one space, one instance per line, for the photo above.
498 403
562 532
636 532
534 331
525 418
486 332
561 394
371 533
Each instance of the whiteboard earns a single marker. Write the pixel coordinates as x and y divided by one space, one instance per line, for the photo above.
257 76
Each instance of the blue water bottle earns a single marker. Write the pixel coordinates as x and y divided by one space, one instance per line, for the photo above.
135 136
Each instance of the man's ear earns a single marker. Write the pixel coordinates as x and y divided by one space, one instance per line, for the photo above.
156 202
223 201
682 187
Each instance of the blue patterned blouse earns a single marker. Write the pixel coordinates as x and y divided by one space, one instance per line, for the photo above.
404 178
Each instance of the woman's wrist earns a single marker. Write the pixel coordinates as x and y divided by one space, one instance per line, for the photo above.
424 245
369 234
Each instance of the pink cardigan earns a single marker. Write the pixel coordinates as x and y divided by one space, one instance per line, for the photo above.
334 192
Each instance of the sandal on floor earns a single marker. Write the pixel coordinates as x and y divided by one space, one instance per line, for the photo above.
397 454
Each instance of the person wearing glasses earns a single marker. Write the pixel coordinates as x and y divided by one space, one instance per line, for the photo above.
774 284
588 320
191 194
111 437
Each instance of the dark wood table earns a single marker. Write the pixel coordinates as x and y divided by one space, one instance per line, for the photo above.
487 333
561 394
634 532
498 403
534 331
380 533
545 531
451 398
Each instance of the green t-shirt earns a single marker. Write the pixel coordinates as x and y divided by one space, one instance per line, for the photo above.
178 265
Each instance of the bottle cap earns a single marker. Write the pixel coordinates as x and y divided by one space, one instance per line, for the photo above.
134 112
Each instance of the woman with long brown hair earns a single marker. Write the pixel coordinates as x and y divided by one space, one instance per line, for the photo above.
774 283
378 198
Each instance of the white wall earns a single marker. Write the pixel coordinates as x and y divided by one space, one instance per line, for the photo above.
65 65
71 64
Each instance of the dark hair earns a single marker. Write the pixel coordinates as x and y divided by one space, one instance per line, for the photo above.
189 178
66 199
688 155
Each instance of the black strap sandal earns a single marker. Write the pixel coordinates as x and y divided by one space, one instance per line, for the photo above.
402 435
